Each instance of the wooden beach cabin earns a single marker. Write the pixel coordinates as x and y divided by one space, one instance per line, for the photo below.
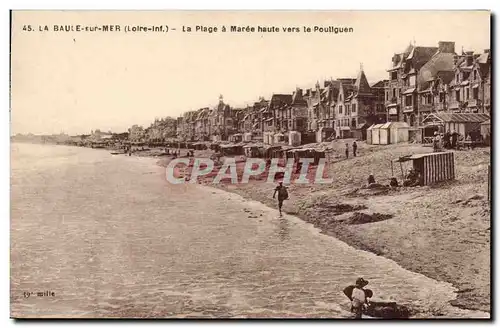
375 131
463 123
393 132
486 131
369 134
433 167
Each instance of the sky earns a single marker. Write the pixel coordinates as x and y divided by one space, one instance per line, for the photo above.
75 82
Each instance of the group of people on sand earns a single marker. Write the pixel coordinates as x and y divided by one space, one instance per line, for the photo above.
412 179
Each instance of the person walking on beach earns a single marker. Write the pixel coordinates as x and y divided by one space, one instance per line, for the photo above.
346 150
358 296
354 148
282 195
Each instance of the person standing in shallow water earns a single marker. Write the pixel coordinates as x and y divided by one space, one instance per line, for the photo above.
358 296
282 195
346 150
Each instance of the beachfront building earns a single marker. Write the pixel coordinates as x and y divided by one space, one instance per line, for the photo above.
276 118
358 106
202 124
433 79
297 112
403 84
378 110
321 109
136 133
187 126
221 121
470 87
162 129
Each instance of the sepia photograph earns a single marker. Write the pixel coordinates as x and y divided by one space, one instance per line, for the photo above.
285 164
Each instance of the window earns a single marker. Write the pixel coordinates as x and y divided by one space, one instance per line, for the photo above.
412 80
340 109
354 108
441 97
458 78
408 100
394 93
475 93
457 95
394 75
475 75
467 94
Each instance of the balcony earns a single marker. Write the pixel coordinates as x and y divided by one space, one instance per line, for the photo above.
426 108
408 109
473 103
440 107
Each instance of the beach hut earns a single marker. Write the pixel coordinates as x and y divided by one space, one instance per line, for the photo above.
268 138
247 137
369 134
393 132
279 137
238 137
376 134
433 167
384 134
486 131
399 132
232 149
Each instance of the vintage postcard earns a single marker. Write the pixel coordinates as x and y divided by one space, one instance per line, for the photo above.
250 164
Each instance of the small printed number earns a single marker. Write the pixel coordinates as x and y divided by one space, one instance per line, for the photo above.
27 28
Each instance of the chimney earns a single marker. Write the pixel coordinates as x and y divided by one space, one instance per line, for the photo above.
299 92
446 46
469 56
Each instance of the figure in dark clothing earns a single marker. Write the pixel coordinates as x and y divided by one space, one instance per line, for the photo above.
282 195
446 141
394 182
371 179
346 150
358 296
354 148
412 179
454 139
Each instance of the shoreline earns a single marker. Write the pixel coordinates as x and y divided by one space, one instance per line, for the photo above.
415 251
330 208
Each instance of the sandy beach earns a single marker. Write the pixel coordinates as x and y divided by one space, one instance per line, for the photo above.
447 240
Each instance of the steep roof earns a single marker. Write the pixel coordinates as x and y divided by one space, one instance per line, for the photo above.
417 54
422 55
298 99
361 84
281 98
484 62
440 62
379 84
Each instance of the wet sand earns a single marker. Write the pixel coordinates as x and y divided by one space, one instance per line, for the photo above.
111 238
